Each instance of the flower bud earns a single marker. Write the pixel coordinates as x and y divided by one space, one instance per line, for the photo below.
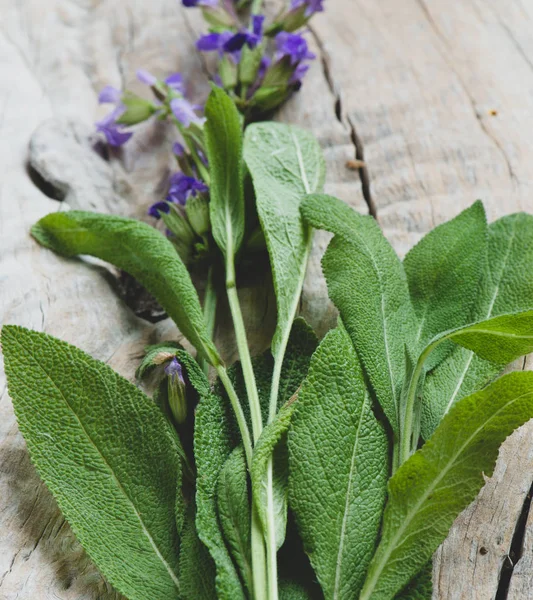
197 210
216 16
181 232
177 391
227 71
137 110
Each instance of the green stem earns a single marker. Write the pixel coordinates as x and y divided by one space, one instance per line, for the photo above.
244 352
272 552
258 557
256 7
210 307
406 441
239 415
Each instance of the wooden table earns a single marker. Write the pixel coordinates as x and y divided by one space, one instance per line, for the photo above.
436 96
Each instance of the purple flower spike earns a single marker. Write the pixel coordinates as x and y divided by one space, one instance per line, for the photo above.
110 95
184 112
175 82
157 208
191 3
146 77
294 46
175 371
312 6
182 187
178 149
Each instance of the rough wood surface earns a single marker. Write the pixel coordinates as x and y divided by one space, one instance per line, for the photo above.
434 95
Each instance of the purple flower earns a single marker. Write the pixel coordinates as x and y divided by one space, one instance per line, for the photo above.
312 6
175 371
214 41
157 208
175 82
178 149
232 43
183 110
294 46
114 133
146 77
298 74
183 186
191 3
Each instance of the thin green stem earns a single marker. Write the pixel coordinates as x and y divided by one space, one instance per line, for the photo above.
406 441
210 308
256 7
258 557
239 415
272 552
244 352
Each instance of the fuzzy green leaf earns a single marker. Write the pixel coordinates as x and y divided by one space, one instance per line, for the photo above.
367 283
431 488
507 286
213 444
140 250
338 457
93 436
286 163
223 138
443 272
234 512
196 567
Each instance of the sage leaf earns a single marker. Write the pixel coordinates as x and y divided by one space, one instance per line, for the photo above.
196 567
234 512
437 482
93 436
338 463
506 286
367 283
213 444
223 139
443 272
290 590
272 447
285 163
140 250
500 339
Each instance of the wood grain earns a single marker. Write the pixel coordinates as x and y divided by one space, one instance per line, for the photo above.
435 96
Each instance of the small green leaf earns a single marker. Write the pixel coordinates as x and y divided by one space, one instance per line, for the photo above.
286 163
443 271
213 444
506 287
140 250
367 283
196 567
223 138
93 436
234 512
272 446
337 468
431 488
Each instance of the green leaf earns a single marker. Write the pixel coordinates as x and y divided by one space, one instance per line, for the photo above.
291 590
338 458
234 512
93 436
223 138
507 286
286 163
272 446
213 444
140 250
367 283
443 272
196 567
156 355
500 339
431 488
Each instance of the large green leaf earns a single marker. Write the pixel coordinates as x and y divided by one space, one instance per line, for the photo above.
234 512
431 488
223 138
140 250
337 468
507 286
108 456
367 283
443 271
286 163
